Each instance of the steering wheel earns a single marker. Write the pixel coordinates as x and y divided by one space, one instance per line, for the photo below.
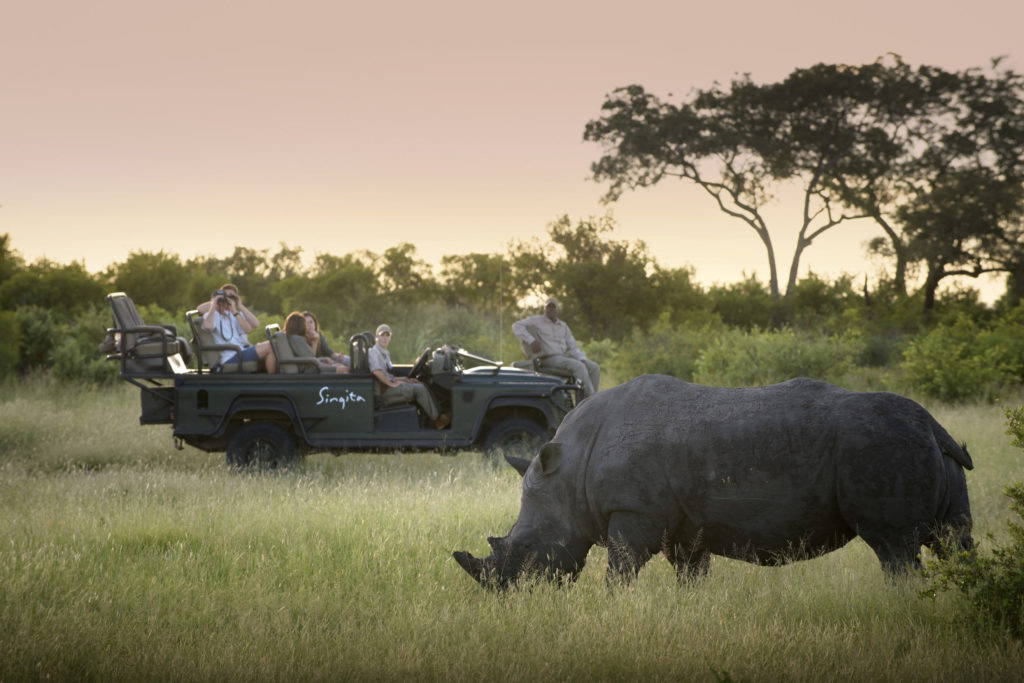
420 364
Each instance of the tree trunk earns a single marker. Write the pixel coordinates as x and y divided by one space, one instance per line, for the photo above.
931 284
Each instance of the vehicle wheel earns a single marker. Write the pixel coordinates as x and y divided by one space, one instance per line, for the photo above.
263 446
516 437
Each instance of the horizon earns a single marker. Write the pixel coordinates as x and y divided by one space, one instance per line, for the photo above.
195 128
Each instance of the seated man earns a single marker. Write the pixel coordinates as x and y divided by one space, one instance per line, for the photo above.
230 322
550 340
393 389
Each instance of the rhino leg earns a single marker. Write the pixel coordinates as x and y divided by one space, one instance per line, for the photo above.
632 540
691 560
899 552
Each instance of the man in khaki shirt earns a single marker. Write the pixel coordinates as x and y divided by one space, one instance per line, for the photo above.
548 338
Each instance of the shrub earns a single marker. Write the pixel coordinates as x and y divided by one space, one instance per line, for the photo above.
75 353
955 362
755 358
10 332
665 349
992 585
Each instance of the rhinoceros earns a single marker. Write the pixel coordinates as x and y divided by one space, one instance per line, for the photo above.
764 474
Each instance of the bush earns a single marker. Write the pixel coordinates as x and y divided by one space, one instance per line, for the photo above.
66 344
10 332
75 354
992 585
956 362
756 358
665 349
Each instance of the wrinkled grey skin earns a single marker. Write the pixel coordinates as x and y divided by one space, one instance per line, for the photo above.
764 474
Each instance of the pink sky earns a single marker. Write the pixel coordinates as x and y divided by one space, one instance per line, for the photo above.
193 127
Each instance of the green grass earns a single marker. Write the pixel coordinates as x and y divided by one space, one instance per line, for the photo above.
122 558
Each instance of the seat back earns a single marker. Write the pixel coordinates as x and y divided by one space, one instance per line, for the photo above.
359 349
208 351
143 350
287 362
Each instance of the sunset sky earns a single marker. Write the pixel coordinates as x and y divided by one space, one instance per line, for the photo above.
193 127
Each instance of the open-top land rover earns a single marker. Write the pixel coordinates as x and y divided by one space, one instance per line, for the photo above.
269 420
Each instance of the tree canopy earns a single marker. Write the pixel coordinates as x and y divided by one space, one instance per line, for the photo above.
933 157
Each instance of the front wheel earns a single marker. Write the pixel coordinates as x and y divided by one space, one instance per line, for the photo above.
263 446
517 437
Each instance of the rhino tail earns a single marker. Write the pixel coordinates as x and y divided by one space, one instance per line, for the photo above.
950 448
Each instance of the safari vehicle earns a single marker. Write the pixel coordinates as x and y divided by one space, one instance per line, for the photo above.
269 420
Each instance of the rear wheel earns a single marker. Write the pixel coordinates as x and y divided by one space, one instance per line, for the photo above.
263 446
517 437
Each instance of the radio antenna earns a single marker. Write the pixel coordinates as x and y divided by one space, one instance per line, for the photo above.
501 311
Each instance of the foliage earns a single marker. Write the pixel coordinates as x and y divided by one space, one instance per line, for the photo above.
340 293
960 361
630 314
159 278
756 357
666 349
603 285
745 304
63 289
10 260
10 349
992 584
74 353
934 158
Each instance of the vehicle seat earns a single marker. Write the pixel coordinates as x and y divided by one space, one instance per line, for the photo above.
287 362
144 350
359 349
208 351
534 363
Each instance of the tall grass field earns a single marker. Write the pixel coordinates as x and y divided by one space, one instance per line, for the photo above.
122 558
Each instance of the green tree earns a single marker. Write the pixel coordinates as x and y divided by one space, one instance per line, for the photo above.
474 280
10 260
59 288
604 283
341 291
153 278
879 141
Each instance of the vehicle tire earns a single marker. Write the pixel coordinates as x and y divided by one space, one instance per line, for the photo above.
262 446
517 437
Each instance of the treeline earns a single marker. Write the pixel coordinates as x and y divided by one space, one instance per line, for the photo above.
630 313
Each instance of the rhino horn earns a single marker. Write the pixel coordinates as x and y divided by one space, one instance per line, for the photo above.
474 566
520 465
497 543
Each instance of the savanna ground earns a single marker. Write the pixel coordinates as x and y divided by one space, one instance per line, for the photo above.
122 558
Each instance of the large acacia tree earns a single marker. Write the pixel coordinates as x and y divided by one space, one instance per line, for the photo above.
860 141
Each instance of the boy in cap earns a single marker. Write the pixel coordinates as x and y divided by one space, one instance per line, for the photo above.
394 389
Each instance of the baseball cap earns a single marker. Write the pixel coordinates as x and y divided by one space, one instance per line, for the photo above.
551 300
381 329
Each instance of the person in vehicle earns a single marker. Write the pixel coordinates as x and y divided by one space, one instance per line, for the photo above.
318 342
295 327
230 322
550 339
394 389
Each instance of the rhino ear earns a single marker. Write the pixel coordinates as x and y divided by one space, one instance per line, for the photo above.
520 465
550 457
